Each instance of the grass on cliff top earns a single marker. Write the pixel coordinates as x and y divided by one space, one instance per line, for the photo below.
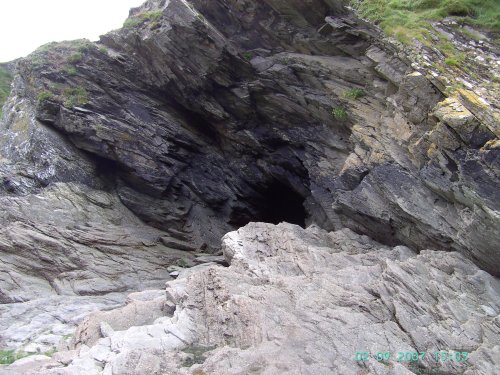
65 54
408 19
140 18
5 80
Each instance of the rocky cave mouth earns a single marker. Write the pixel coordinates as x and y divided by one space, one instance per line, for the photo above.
277 203
282 204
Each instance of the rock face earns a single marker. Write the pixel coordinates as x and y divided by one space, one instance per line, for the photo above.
297 301
122 158
166 102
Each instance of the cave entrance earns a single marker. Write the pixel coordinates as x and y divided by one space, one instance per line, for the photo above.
282 203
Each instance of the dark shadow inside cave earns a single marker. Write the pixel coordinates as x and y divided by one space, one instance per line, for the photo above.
281 203
276 202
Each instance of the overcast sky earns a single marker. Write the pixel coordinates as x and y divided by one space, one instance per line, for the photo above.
27 24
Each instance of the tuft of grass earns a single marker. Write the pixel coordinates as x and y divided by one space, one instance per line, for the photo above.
339 113
139 19
470 34
131 23
70 70
50 353
354 93
408 19
8 357
75 58
451 61
103 50
75 96
84 45
247 55
151 16
5 81
45 95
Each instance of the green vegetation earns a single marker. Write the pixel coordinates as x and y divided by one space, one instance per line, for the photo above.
45 95
75 96
70 70
5 80
38 61
451 61
70 96
197 354
454 88
83 45
339 113
182 263
247 55
470 34
72 52
408 19
132 22
75 58
50 353
354 93
141 18
151 16
8 357
103 50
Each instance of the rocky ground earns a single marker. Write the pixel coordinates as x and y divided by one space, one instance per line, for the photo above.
125 161
298 301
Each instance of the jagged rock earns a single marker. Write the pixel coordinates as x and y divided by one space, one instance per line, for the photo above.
104 323
297 301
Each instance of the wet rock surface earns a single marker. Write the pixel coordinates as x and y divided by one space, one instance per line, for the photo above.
125 161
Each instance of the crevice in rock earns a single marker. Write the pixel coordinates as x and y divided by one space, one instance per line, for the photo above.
191 120
105 169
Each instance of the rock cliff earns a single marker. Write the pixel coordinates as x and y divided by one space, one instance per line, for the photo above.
126 157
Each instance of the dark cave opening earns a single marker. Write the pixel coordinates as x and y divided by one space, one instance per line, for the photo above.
277 202
282 203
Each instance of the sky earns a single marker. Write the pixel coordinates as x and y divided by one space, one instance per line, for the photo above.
28 24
